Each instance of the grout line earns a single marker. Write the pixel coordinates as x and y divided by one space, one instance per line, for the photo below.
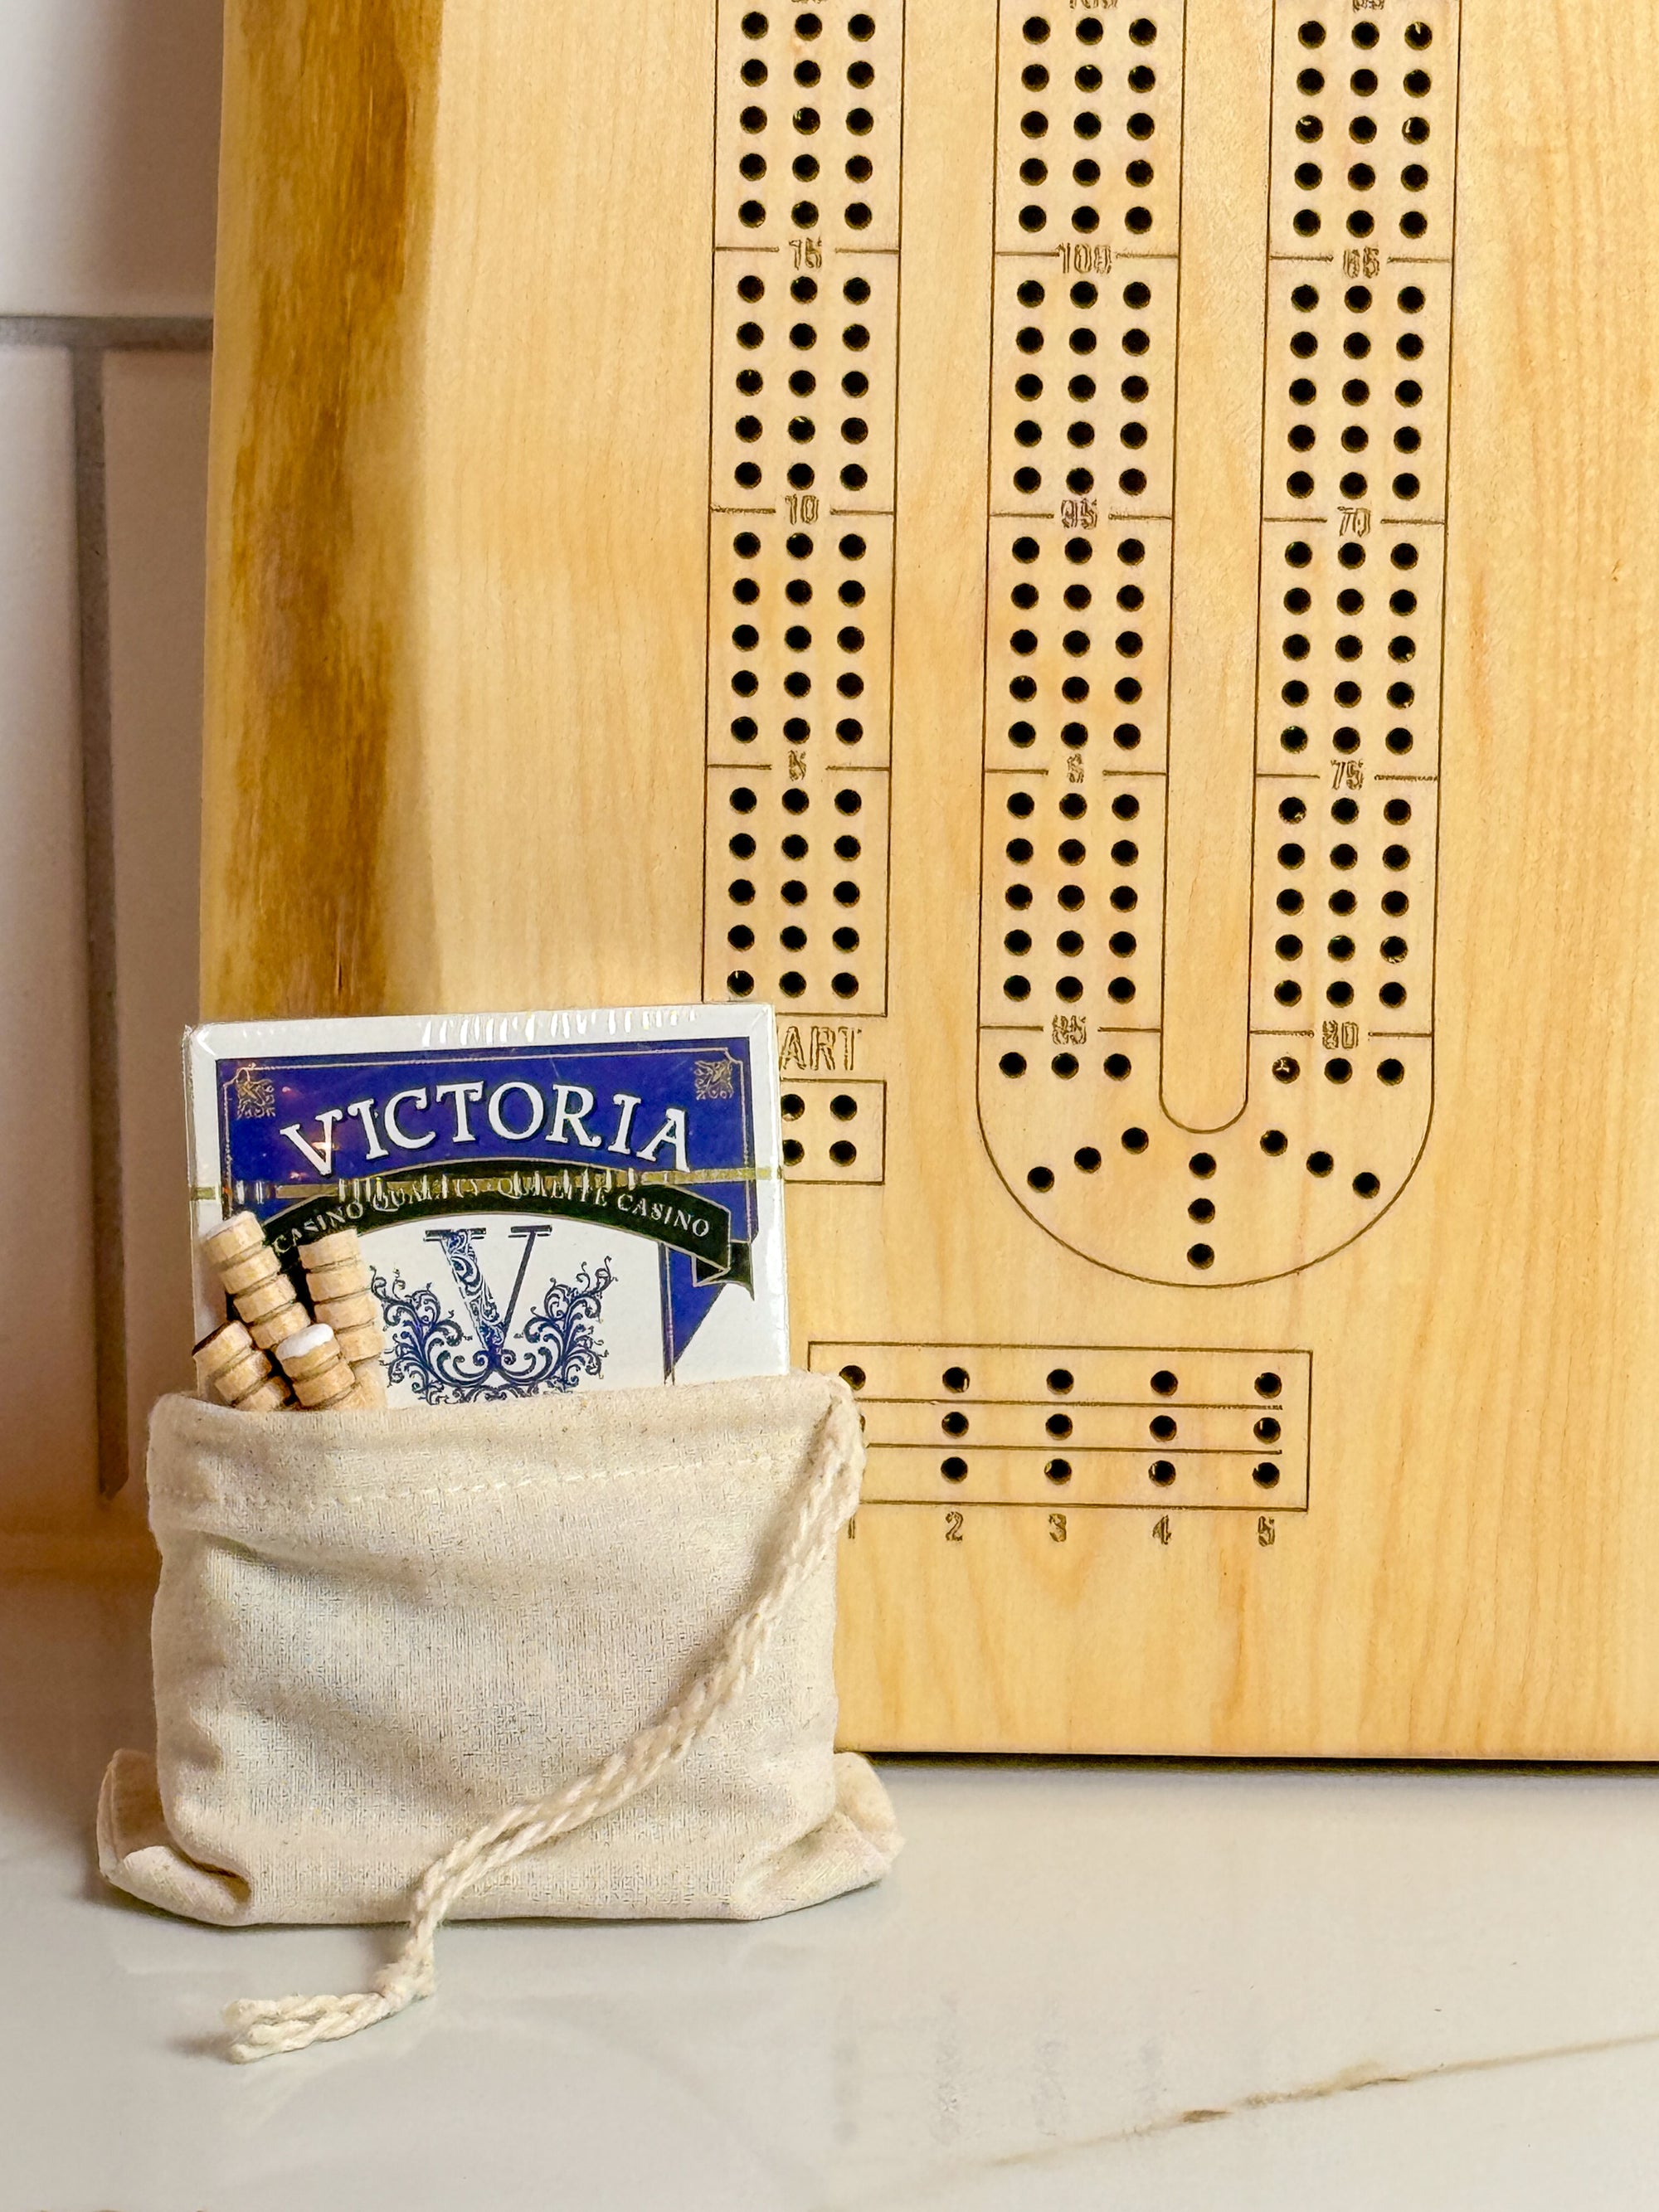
87 339
108 333
97 803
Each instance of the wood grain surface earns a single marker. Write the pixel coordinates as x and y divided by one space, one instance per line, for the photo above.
490 356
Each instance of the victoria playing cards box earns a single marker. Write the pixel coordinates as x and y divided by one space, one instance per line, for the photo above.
547 1201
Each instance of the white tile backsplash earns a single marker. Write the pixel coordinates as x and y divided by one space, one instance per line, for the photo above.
48 1431
109 123
155 421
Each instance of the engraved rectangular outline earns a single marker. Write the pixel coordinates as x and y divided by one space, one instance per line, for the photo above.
1046 1504
835 1181
881 1012
1440 522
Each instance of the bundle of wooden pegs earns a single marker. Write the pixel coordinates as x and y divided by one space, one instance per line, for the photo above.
330 1358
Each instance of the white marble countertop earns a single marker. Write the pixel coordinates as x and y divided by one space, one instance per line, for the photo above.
1084 1985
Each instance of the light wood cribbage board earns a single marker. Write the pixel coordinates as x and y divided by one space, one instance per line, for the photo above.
1101 556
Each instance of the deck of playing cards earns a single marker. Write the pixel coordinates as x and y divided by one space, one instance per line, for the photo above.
547 1201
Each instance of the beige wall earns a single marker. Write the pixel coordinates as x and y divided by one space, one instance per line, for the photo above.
108 118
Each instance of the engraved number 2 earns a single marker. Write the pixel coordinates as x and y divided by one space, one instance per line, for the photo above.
953 1528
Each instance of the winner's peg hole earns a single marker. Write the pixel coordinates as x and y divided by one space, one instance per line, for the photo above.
1060 1378
854 1377
956 1378
955 1425
1059 1424
1057 1470
1165 1383
953 1469
1162 1472
1266 1474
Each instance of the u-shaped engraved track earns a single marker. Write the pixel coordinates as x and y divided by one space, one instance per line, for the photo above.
1095 636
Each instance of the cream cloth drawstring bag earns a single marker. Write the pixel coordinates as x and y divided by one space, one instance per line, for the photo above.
563 1656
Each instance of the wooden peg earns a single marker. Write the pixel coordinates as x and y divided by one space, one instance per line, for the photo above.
371 1384
276 1328
270 1396
232 1370
335 1390
313 1351
217 1352
347 1280
267 1300
329 1251
359 1345
234 1383
246 1273
361 1309
233 1239
313 1364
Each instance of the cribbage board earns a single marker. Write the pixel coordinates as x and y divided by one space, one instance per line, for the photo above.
1099 554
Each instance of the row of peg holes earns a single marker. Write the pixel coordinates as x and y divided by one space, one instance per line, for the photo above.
1164 1428
805 168
843 1150
1033 217
1163 1382
793 846
1355 438
1070 897
802 428
1077 596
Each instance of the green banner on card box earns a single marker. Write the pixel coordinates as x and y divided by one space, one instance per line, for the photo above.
668 1212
